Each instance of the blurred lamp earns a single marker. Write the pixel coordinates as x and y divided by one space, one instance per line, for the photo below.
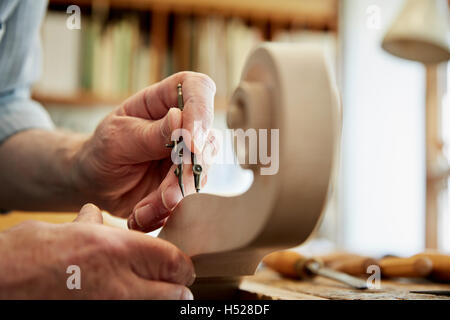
420 32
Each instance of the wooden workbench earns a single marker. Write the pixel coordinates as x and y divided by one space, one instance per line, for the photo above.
266 284
15 217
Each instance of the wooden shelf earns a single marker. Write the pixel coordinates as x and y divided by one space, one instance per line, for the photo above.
314 14
79 99
268 15
85 99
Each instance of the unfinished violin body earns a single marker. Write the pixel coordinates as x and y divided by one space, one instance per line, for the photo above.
287 87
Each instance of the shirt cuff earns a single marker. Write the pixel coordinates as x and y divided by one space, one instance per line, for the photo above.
21 114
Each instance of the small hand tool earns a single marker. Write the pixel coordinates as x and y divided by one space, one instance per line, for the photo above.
348 263
294 265
432 265
413 267
177 145
441 265
197 171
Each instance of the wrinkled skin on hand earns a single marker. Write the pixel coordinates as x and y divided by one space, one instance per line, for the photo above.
125 166
114 263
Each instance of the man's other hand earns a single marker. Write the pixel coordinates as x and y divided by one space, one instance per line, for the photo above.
112 263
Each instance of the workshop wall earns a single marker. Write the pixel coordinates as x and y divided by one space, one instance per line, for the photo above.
383 151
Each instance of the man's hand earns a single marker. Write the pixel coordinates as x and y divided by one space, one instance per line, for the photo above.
114 263
125 166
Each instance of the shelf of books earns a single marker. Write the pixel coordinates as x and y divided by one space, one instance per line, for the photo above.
124 46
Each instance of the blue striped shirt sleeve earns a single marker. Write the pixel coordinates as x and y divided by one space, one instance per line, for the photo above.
20 56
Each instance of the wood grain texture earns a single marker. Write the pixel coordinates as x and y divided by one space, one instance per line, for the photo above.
15 217
288 88
267 284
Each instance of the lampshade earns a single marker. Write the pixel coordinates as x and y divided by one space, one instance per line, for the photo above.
420 32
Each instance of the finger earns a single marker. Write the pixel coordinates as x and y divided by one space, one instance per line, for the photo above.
198 92
142 140
157 290
158 204
89 213
198 113
155 259
151 212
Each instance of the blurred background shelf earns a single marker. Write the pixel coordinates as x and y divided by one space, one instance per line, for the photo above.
319 14
124 46
78 99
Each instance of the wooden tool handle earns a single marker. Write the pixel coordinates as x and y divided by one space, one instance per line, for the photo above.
441 265
338 256
355 265
414 267
288 263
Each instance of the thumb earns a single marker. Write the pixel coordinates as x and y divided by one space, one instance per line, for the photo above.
89 213
145 140
159 133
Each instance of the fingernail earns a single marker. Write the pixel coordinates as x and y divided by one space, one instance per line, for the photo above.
208 154
200 138
131 222
171 196
165 125
204 181
146 215
187 294
192 279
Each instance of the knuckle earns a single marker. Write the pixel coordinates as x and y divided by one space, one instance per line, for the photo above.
120 291
203 79
110 246
90 207
206 81
110 130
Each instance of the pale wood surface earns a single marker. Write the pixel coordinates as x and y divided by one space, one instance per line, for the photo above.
15 217
436 162
228 236
267 284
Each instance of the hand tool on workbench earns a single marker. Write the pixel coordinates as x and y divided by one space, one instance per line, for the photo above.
391 267
294 265
178 147
434 292
349 263
432 265
441 265
413 267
